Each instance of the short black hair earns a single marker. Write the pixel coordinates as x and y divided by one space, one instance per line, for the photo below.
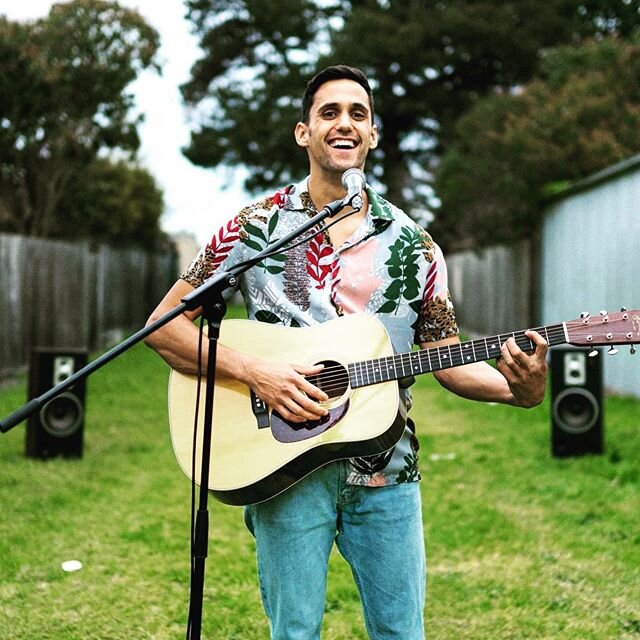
334 72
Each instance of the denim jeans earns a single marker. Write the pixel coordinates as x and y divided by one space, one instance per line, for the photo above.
378 530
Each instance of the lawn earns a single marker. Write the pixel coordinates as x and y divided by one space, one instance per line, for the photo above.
520 544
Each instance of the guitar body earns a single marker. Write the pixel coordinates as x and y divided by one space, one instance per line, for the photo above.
251 463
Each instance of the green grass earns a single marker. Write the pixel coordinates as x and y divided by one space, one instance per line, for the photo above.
520 545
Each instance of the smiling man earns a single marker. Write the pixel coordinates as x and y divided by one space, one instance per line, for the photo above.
375 261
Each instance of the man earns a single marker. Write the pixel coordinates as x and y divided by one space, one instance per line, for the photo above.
376 261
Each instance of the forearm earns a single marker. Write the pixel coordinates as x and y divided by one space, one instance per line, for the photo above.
518 379
476 381
178 341
178 345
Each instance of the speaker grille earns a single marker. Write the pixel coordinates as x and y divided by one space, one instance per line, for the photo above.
576 402
57 429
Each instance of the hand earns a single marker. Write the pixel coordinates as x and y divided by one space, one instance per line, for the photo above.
284 388
525 373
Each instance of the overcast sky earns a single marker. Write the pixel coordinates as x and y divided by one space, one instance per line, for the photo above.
195 198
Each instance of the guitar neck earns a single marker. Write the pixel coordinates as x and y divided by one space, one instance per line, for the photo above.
414 363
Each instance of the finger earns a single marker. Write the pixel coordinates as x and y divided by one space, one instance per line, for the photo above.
509 352
309 406
300 409
540 344
304 385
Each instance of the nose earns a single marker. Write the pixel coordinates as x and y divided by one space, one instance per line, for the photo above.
344 121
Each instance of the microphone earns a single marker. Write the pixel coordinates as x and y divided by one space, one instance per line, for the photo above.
354 180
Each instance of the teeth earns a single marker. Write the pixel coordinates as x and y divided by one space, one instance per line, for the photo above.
343 144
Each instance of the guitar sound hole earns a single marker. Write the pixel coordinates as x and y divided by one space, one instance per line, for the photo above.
333 379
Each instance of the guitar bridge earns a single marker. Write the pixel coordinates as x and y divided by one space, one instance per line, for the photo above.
260 411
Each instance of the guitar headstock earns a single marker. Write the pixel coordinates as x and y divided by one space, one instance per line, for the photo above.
606 329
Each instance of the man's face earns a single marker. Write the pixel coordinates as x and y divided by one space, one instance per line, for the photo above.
340 132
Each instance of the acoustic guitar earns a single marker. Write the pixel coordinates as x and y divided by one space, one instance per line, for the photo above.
257 454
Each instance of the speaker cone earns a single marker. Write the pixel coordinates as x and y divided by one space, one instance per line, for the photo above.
62 415
575 410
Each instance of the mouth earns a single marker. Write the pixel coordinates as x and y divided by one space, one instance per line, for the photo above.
345 144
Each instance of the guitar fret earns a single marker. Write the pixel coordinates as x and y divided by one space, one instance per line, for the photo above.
468 356
353 371
362 373
390 369
367 368
457 359
444 357
424 360
407 364
398 366
375 371
427 355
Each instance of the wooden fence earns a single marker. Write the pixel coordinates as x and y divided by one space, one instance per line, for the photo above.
495 290
68 295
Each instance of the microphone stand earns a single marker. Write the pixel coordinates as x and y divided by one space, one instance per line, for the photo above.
209 297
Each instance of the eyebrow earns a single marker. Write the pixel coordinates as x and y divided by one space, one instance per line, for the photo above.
336 105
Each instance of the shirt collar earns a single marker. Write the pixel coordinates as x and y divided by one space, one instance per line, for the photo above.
298 199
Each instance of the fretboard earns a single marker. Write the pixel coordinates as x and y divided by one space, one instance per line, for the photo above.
403 365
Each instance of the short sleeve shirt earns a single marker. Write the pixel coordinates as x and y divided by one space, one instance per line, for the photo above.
389 268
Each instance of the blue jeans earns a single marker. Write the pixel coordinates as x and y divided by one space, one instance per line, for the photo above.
378 530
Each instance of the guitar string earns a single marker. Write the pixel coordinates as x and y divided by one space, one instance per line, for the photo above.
336 377
456 351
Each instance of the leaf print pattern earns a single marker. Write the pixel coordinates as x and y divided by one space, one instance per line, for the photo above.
257 240
223 242
410 472
214 254
319 261
372 464
403 268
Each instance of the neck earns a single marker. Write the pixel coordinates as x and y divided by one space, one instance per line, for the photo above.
325 188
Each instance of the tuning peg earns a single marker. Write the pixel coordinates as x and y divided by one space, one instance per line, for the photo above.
604 312
593 353
585 315
623 309
612 351
632 351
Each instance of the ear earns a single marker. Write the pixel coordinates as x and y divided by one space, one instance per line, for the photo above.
374 137
301 133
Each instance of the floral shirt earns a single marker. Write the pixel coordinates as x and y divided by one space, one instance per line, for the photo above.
389 268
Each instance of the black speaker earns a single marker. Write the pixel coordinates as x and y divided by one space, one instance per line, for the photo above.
57 429
576 402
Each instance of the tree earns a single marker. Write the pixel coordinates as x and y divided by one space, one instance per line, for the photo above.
581 114
430 60
114 203
63 98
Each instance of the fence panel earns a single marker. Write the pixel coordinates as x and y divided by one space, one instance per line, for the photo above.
61 294
493 290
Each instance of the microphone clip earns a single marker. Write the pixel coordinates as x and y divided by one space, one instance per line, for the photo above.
354 201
